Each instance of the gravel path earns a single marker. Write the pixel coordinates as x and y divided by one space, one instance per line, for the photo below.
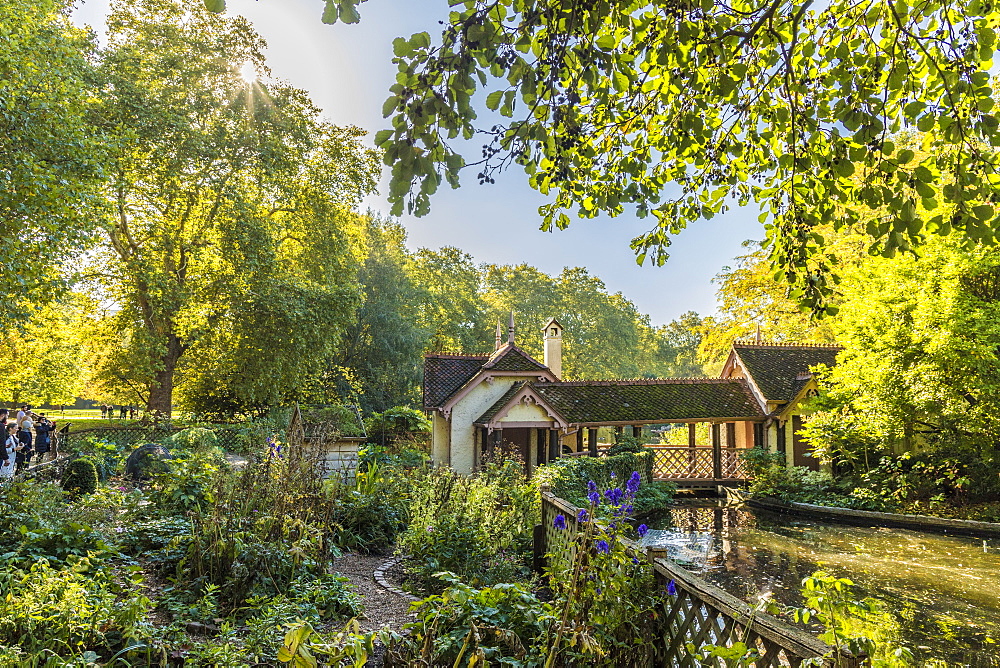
382 607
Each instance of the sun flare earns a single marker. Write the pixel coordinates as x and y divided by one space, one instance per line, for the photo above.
248 72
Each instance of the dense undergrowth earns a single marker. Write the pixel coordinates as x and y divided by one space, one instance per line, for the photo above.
944 484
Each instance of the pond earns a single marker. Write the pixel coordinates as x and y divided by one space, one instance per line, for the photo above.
939 595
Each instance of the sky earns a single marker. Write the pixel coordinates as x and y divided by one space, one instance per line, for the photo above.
348 69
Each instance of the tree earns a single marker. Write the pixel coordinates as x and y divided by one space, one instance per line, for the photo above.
671 350
752 299
682 108
224 228
51 157
46 351
452 312
921 366
380 350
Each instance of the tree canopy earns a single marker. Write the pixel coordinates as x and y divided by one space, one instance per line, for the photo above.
224 229
682 109
50 156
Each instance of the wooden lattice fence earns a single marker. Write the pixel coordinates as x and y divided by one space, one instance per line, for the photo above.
699 462
698 613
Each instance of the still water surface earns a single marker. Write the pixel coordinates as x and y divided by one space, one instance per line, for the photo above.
940 594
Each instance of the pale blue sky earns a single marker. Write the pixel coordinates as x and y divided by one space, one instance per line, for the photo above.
348 70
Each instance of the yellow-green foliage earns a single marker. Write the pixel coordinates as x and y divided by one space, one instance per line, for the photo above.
69 611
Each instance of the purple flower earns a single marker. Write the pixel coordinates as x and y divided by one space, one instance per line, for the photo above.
672 588
614 495
581 516
560 521
591 486
635 561
633 484
643 529
595 498
604 548
612 474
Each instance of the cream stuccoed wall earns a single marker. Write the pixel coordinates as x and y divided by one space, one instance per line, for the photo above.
440 435
526 413
469 408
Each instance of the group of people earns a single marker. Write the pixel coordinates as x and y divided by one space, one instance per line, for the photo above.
28 435
108 412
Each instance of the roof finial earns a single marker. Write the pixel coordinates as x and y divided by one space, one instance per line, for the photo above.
758 333
510 328
499 335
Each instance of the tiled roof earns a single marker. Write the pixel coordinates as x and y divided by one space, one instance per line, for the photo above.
445 374
492 411
512 358
778 370
650 400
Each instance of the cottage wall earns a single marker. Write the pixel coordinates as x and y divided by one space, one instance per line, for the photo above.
468 409
440 440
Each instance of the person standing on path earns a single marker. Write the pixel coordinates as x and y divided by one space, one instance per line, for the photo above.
10 452
24 436
43 437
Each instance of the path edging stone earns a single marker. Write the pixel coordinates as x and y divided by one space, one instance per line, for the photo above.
379 576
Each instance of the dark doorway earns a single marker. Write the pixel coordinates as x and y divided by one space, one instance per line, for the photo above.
800 447
517 445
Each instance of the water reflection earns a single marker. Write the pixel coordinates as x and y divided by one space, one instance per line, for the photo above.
940 593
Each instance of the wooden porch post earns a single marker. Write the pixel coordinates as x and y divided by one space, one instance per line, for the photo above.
692 442
716 452
497 442
637 431
618 432
579 439
730 434
541 445
592 441
553 444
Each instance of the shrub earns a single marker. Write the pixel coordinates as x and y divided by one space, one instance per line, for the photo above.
187 483
478 527
194 438
71 610
80 477
396 423
369 512
568 477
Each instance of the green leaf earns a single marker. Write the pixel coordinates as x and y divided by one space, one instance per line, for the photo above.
348 12
215 6
331 12
606 42
383 136
493 99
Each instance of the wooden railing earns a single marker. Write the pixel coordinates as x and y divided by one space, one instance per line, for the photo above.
697 612
672 462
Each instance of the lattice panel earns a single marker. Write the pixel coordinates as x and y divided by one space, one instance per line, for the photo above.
673 463
733 466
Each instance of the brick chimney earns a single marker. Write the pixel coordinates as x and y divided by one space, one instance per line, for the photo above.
552 338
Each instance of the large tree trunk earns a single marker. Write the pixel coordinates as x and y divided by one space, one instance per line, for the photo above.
161 390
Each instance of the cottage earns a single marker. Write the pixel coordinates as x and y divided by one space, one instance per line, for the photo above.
507 401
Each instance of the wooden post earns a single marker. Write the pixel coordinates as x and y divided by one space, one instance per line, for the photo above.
637 431
618 432
496 443
579 439
716 452
692 442
730 434
538 548
553 445
540 446
592 441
